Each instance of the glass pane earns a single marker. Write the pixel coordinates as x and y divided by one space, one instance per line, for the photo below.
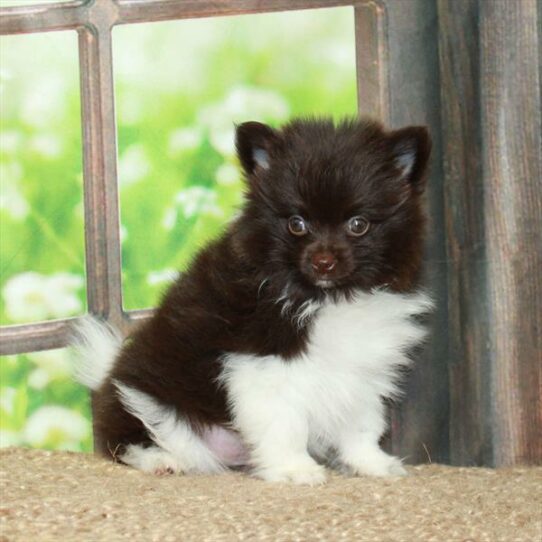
41 212
40 405
180 88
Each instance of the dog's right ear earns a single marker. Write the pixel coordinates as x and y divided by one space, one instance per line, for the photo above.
255 143
411 149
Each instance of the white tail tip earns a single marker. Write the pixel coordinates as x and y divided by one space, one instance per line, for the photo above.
96 345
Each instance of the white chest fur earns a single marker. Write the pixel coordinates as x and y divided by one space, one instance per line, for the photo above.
354 353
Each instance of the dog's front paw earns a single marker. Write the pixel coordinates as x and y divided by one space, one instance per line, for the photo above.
151 459
298 471
378 463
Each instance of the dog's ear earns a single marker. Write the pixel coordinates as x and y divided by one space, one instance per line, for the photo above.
255 143
411 149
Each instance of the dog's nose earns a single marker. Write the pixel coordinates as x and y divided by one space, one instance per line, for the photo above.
323 262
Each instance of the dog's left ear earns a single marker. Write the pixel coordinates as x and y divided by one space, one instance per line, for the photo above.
411 149
255 142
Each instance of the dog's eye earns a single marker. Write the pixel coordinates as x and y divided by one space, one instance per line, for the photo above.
297 226
358 226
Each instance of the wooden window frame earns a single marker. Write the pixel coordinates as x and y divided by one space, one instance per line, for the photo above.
94 21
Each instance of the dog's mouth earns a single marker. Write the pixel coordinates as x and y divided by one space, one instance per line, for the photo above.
327 281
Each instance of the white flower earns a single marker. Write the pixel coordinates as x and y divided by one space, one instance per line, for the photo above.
227 174
133 165
26 297
51 365
47 145
38 379
123 233
79 208
54 363
260 102
62 288
7 399
240 104
58 426
191 201
131 107
198 199
32 297
10 141
184 139
335 53
9 438
44 103
5 75
11 199
222 135
155 278
170 218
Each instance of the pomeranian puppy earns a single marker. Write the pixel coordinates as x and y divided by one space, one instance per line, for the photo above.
275 349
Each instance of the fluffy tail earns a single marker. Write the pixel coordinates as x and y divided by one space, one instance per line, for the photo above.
96 345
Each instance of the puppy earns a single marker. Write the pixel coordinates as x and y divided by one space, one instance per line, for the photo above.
275 349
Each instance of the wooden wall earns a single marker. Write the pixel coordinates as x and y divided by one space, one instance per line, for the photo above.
470 69
492 142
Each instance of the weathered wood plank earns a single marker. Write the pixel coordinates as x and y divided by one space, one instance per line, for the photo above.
372 60
42 18
490 81
102 241
420 421
20 338
470 358
73 15
135 11
512 161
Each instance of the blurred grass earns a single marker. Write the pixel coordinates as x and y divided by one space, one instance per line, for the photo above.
180 87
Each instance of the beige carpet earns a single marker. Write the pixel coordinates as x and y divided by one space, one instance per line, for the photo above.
79 497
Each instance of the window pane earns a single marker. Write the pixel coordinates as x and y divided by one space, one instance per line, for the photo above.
180 88
41 210
40 405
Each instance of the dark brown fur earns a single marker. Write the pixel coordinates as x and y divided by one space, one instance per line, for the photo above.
227 300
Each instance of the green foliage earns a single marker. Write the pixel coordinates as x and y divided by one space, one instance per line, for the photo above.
180 87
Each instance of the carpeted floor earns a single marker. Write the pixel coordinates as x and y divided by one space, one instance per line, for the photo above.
78 497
